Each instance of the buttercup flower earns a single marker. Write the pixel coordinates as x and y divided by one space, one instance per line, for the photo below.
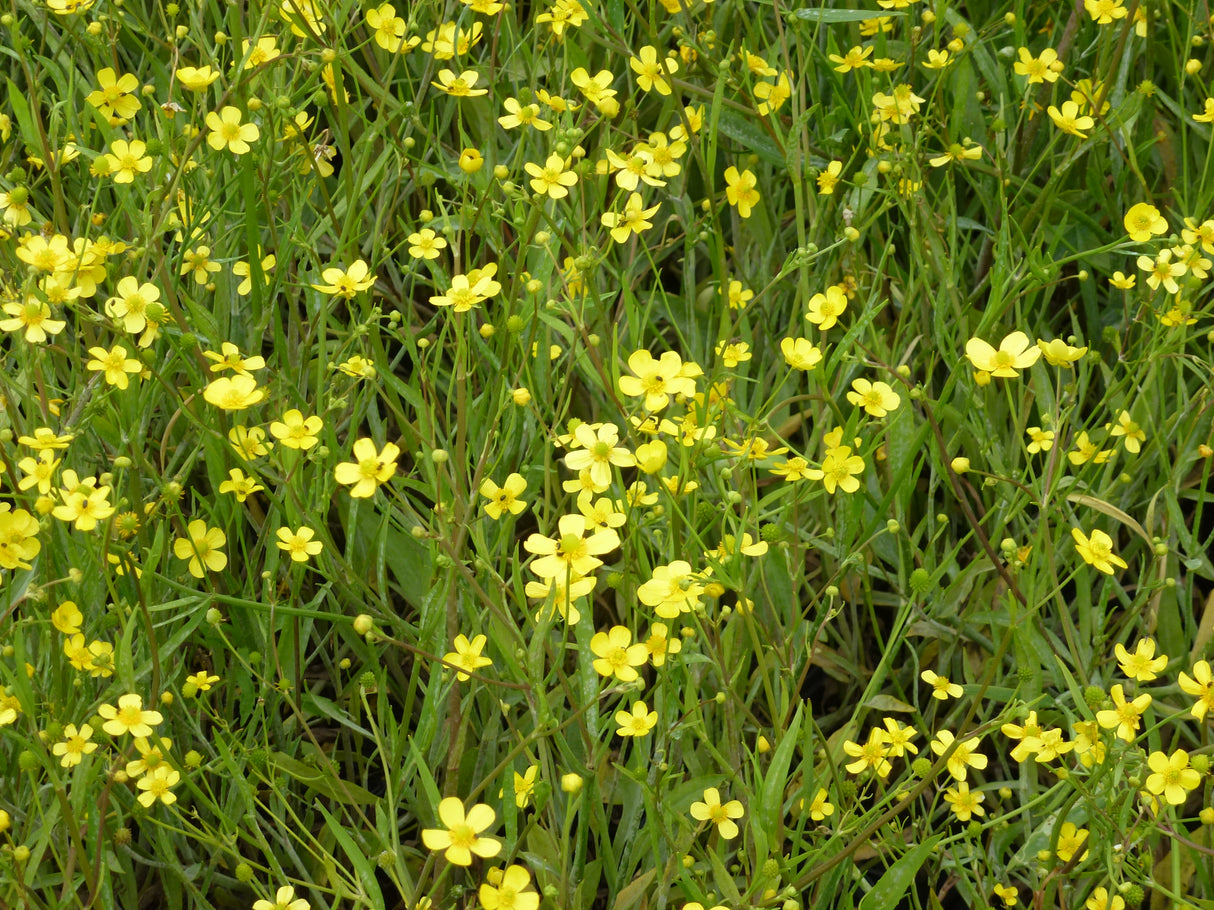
202 547
461 838
227 131
616 655
1097 550
284 899
467 655
1015 353
504 498
1141 665
720 814
370 469
129 717
740 190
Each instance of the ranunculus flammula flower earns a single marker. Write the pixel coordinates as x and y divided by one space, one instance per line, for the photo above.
462 835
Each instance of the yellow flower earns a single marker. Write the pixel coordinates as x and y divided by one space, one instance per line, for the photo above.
75 745
129 717
1124 716
115 96
1069 120
1142 665
461 837
233 393
963 803
1086 450
114 364
196 78
877 398
461 86
127 159
1133 434
828 178
508 889
820 807
518 114
856 58
740 190
637 722
773 95
616 655
965 756
284 899
800 353
467 657
369 470
1142 221
425 244
718 813
597 452
869 754
299 544
1039 440
389 29
633 220
504 498
825 309
838 470
1058 353
249 442
572 552
226 131
651 72
552 179
202 547
1045 68
296 431
672 589
1201 686
1207 112
1097 550
156 786
957 153
941 687
1100 899
1008 894
67 618
657 379
1014 353
1070 839
1172 777
346 282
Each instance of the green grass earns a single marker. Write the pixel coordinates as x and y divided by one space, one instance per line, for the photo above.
335 722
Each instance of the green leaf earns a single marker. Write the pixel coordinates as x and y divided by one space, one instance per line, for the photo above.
322 782
771 796
362 865
828 16
898 878
745 133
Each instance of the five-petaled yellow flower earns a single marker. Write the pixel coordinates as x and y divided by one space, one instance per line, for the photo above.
371 468
461 838
720 814
633 220
740 190
299 544
202 547
227 132
504 498
1097 550
129 717
1015 353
